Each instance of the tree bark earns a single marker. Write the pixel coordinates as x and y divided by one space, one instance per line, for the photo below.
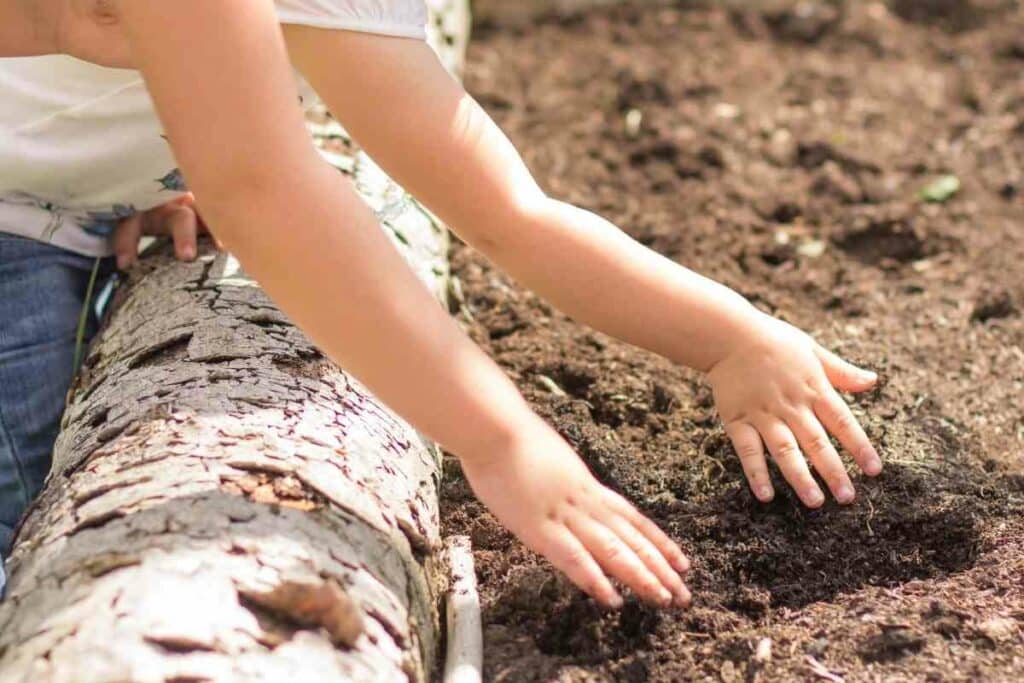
226 504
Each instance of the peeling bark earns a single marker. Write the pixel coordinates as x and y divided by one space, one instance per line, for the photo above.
225 503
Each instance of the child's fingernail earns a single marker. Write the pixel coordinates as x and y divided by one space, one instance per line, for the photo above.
664 597
616 601
122 262
872 463
869 375
764 493
814 497
845 494
682 565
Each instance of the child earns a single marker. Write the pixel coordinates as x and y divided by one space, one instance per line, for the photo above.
82 147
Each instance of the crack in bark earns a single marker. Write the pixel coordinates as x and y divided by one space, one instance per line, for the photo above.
162 351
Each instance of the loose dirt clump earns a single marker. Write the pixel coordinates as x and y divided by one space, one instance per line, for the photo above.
787 160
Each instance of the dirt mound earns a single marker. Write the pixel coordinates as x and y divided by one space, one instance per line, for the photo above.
784 151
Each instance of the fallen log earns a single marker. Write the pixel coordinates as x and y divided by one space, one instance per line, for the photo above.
225 503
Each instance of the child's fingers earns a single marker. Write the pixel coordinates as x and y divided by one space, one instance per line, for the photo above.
669 548
189 201
126 241
185 203
822 454
183 227
786 453
746 441
839 420
843 375
650 556
618 559
569 556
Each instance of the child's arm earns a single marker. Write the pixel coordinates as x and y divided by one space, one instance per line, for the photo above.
177 219
219 74
21 30
87 30
773 384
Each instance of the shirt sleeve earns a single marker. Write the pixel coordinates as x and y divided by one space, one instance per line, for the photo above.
400 18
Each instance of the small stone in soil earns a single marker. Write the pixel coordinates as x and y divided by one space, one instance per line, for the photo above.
992 305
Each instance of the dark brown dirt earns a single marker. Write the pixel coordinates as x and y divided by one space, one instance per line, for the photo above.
781 152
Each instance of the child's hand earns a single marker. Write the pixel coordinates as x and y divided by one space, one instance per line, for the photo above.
178 218
541 491
779 389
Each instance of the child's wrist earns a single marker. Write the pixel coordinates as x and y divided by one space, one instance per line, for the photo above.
490 428
739 323
516 431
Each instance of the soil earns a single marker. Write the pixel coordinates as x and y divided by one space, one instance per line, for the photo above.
780 148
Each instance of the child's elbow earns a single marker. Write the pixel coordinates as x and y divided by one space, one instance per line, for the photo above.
500 226
529 204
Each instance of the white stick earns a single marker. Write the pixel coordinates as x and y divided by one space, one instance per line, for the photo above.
465 655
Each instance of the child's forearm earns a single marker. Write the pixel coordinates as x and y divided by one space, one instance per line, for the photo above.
422 127
594 272
362 305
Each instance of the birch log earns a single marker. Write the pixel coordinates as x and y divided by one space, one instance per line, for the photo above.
226 504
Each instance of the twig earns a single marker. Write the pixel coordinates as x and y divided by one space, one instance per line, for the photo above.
83 318
871 515
819 670
465 653
695 634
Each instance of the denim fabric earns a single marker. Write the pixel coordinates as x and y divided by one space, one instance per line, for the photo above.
42 293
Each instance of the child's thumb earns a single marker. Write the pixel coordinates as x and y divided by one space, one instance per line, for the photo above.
845 376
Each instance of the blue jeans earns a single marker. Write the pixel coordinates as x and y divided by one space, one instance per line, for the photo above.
42 295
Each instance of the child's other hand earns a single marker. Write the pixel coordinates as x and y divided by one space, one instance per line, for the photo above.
178 218
778 389
541 491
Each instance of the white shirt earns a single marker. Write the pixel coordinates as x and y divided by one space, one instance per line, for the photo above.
81 146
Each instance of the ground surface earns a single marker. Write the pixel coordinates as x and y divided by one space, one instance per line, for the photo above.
781 153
